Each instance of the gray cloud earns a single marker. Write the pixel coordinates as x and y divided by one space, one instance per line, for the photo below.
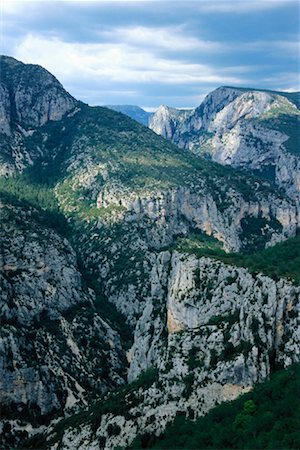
152 52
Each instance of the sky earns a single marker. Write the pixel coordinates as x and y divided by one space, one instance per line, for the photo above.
150 53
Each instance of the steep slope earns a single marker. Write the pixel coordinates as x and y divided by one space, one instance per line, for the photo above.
251 129
29 97
211 331
127 195
55 350
133 194
133 111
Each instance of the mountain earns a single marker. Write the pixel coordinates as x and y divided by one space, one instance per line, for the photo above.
29 97
138 281
251 129
133 111
165 120
215 332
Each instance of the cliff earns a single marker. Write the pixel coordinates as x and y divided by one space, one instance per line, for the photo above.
246 128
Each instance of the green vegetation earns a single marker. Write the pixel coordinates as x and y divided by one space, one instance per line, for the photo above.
267 417
37 195
257 232
74 200
18 191
40 202
104 142
281 107
106 309
289 125
282 260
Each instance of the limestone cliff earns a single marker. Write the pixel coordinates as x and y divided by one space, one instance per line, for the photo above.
211 330
251 129
29 97
166 120
55 349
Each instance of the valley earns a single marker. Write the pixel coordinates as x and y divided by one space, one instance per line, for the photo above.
142 280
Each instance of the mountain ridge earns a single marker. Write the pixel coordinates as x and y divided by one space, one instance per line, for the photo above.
251 129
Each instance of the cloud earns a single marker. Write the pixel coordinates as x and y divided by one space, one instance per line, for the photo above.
288 48
119 63
289 81
242 6
168 38
150 52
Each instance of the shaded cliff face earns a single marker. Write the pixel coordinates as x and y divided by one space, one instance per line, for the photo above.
254 130
55 349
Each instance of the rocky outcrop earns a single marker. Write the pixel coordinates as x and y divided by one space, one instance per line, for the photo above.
166 120
178 210
127 195
29 97
31 104
203 294
243 128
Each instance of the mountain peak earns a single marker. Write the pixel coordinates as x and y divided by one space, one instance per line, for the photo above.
10 60
30 95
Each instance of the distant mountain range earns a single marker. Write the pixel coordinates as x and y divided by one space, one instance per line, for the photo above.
133 111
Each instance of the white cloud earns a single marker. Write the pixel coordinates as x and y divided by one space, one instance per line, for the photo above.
128 61
15 7
288 81
291 48
114 63
291 89
168 38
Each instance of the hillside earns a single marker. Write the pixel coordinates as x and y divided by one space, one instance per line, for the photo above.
268 417
102 279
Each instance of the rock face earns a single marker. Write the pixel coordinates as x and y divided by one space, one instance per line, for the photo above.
55 350
166 120
212 331
199 293
176 211
29 97
253 130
